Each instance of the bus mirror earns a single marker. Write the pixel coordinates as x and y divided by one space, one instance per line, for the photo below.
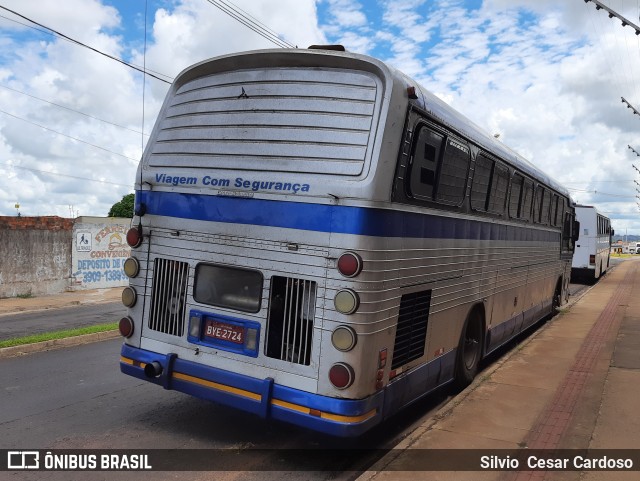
613 232
575 233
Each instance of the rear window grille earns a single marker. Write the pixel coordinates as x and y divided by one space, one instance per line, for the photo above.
299 120
168 297
412 328
290 327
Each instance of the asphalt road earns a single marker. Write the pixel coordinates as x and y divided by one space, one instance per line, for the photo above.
77 398
24 324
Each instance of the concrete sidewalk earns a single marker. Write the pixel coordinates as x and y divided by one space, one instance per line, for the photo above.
574 384
14 305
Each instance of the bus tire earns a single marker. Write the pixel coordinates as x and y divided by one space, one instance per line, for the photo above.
556 302
469 350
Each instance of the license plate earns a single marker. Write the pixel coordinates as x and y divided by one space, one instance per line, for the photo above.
224 331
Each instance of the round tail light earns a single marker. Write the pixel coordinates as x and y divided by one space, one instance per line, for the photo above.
131 267
125 326
134 237
341 375
129 296
349 264
346 301
344 338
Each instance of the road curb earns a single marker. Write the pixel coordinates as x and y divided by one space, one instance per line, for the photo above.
15 351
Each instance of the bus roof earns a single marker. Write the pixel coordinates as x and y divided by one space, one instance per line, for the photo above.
427 101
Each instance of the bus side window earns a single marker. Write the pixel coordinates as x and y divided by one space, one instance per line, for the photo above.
514 200
546 206
499 187
424 165
453 173
537 204
481 183
554 210
527 200
560 212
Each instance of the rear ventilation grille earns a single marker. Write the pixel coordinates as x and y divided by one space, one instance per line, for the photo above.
412 328
269 119
168 297
290 327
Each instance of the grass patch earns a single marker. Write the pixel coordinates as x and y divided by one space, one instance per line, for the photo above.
26 295
50 336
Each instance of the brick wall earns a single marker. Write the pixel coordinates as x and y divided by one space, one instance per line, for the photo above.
52 223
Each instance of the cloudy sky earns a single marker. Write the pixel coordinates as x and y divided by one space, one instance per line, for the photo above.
546 75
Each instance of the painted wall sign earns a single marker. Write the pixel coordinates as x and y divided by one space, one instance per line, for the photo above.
99 253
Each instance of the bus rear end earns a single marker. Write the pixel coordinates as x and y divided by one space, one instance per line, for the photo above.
236 293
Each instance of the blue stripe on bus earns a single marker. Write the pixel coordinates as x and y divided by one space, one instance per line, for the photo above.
366 221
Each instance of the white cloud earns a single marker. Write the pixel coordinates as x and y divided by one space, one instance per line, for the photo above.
546 75
47 67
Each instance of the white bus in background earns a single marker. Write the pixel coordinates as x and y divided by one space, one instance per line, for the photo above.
593 249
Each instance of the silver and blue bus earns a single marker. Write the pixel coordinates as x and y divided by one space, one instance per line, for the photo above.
320 240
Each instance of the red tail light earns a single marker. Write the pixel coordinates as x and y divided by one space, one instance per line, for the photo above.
592 259
349 264
125 326
134 236
341 375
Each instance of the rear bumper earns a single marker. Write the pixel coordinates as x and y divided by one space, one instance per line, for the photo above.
338 417
583 274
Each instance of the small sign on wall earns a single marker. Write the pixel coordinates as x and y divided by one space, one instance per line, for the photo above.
83 241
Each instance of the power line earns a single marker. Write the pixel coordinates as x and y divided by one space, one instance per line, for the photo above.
27 25
54 35
601 193
596 181
68 136
72 110
250 22
77 42
64 175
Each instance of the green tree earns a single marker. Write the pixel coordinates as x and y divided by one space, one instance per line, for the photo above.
124 208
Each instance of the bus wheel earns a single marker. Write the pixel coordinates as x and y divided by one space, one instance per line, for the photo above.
557 299
469 351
